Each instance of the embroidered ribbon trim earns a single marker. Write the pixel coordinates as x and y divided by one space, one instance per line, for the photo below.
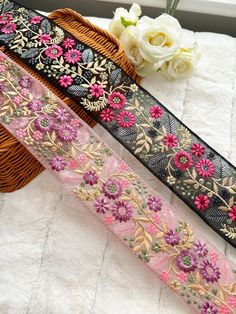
100 180
179 158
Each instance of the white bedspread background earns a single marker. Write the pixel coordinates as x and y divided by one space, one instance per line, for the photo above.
56 258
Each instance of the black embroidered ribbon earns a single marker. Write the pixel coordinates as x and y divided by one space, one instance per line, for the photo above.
171 151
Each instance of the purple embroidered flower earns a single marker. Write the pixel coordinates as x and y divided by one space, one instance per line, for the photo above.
2 87
200 249
66 133
90 177
44 123
35 105
101 205
186 261
154 203
25 82
208 308
112 189
61 114
58 163
209 271
122 211
172 238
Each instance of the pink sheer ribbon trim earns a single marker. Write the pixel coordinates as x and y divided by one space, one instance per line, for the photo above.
99 179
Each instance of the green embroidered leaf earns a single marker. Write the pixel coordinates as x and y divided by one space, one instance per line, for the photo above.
115 77
31 53
46 26
87 56
7 38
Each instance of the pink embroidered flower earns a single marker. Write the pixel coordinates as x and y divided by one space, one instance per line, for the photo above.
58 163
172 238
170 140
36 19
65 80
2 68
154 203
107 115
156 218
5 18
232 213
151 229
2 58
68 43
25 81
116 100
183 160
122 211
35 105
224 310
96 90
44 123
186 261
66 133
37 135
112 189
90 177
164 276
73 56
20 133
124 183
202 202
232 302
44 38
102 205
18 100
182 277
75 122
53 52
126 119
209 271
205 168
73 164
123 167
24 91
9 28
61 114
214 256
108 220
197 150
82 158
156 112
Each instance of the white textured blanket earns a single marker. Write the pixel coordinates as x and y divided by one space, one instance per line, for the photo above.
56 258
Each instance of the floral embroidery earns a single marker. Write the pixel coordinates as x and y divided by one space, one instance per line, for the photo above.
202 178
134 212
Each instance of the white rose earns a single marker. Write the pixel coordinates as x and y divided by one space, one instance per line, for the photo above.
129 40
124 18
182 65
158 39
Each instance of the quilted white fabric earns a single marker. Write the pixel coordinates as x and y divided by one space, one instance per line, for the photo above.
56 258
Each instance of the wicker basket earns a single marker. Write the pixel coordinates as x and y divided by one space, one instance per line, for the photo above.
17 165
